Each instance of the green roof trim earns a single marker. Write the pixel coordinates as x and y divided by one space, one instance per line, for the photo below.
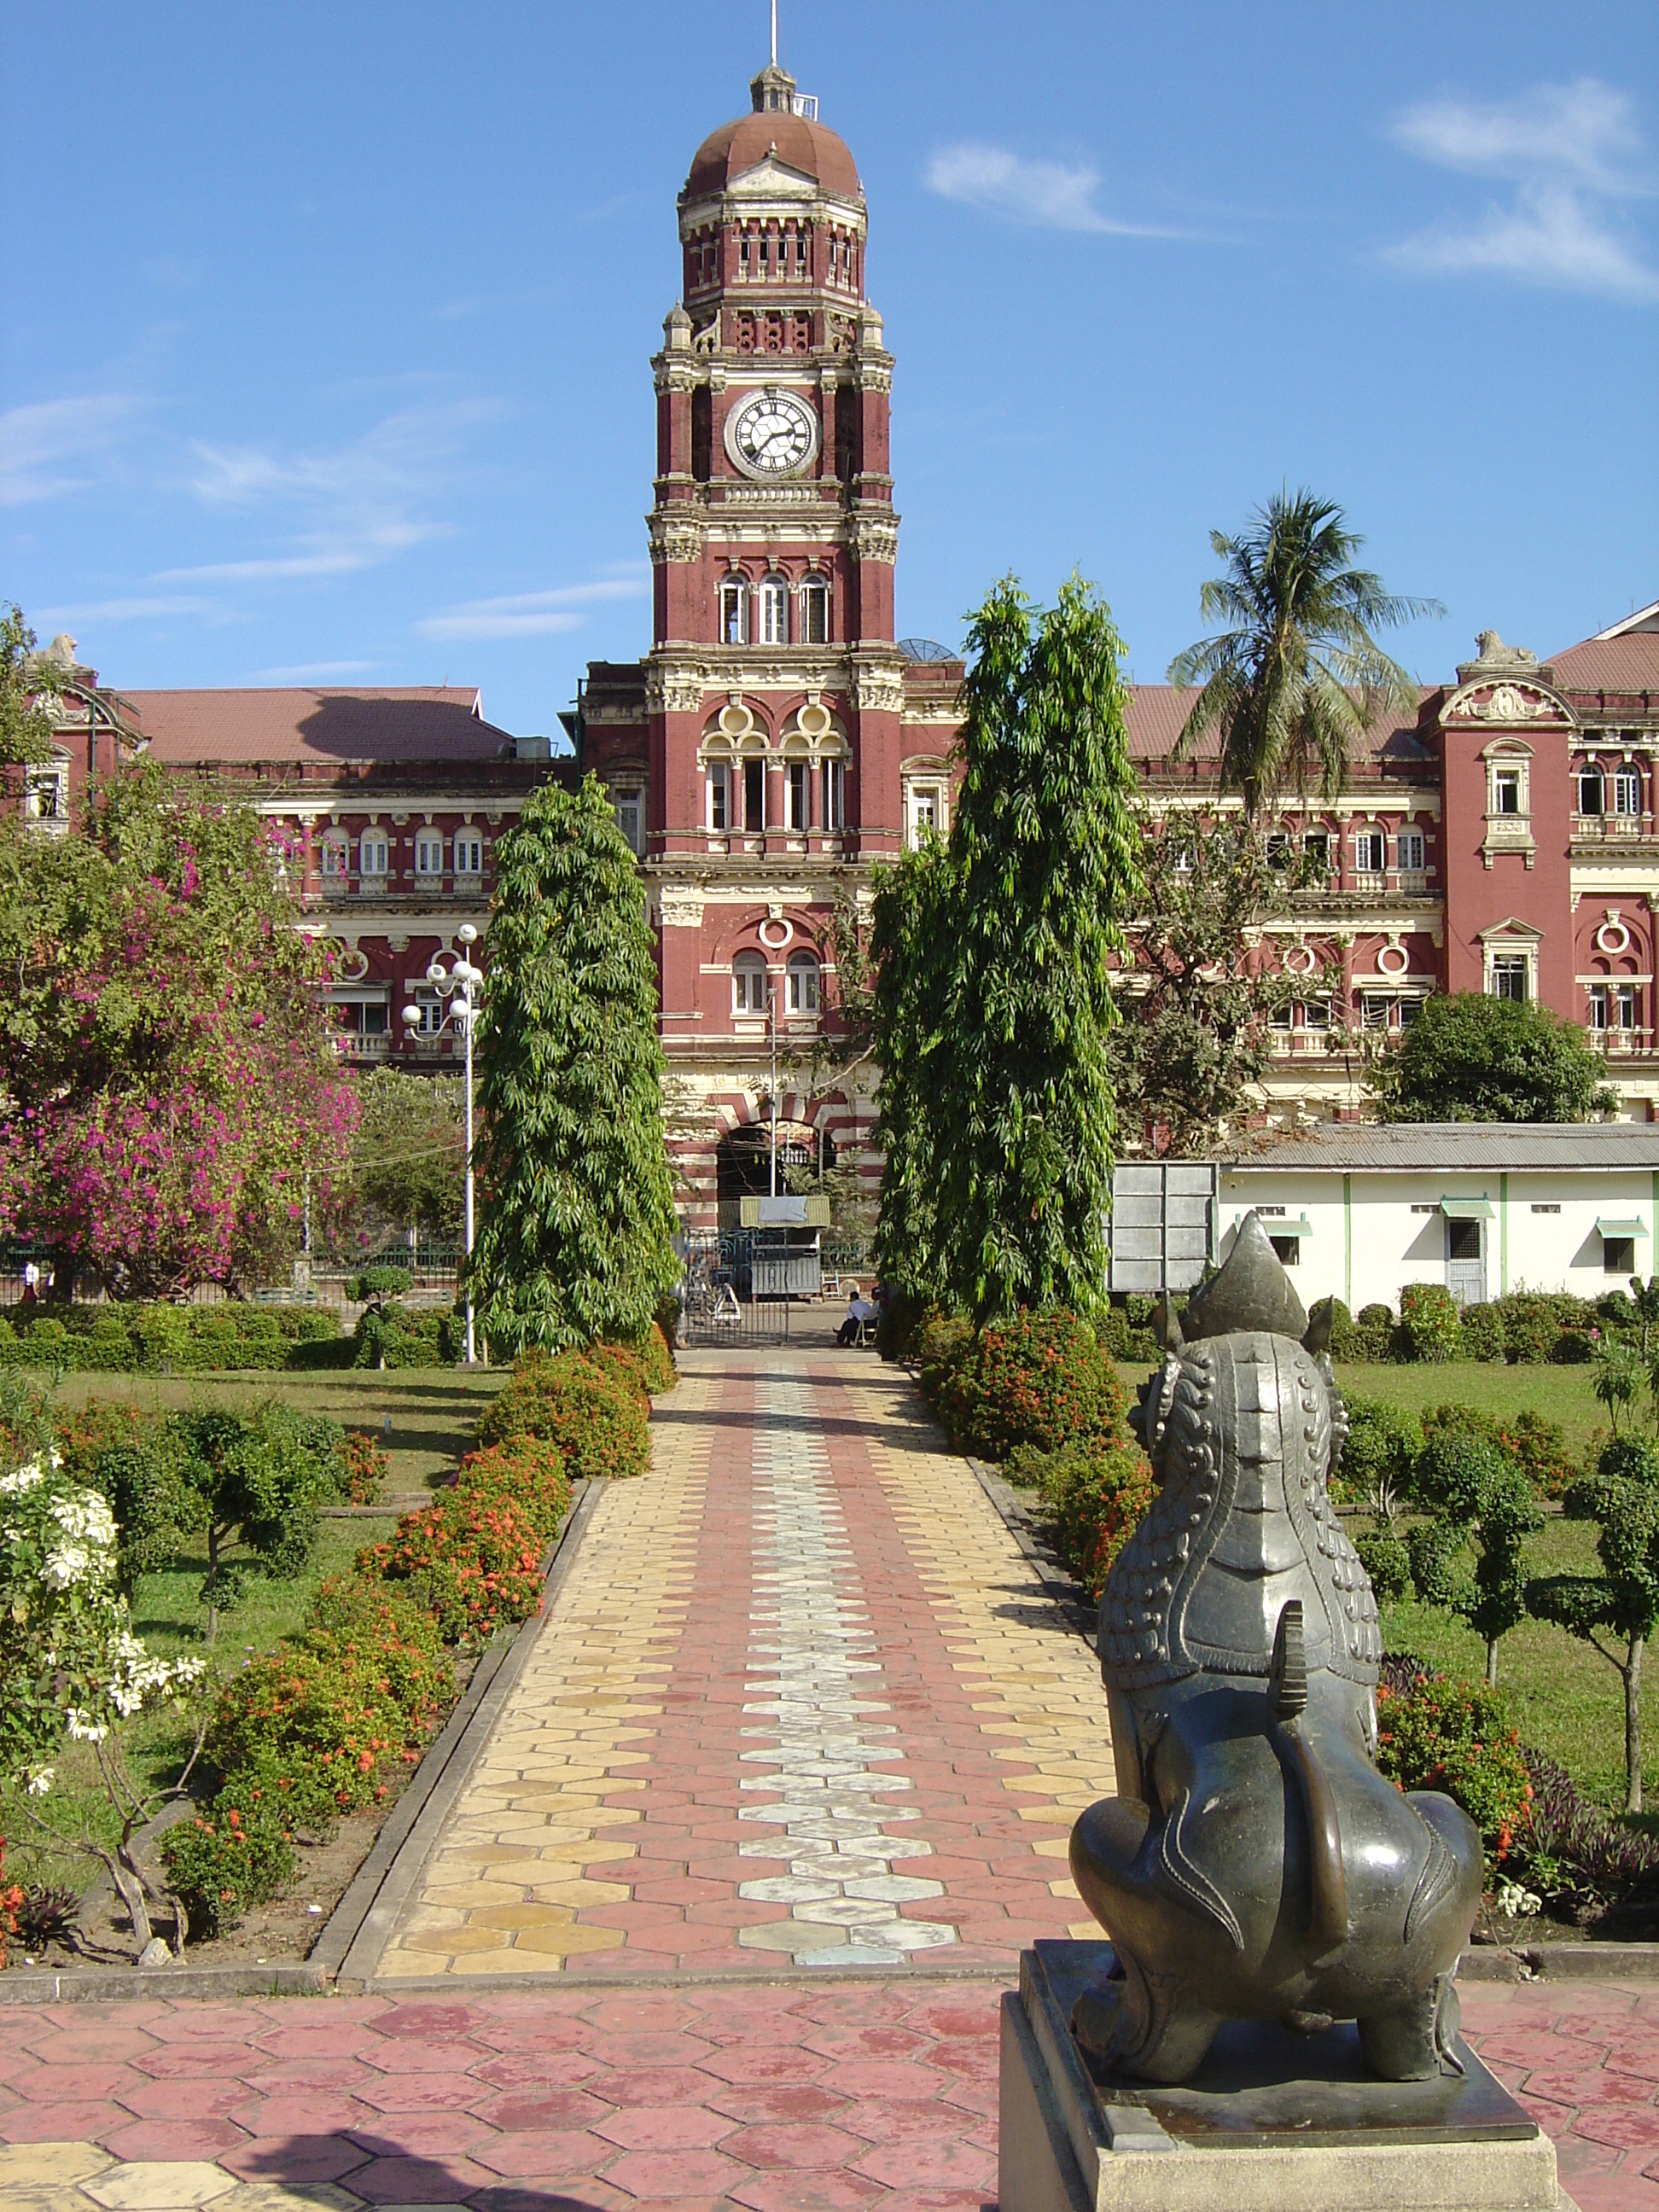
1467 1209
1622 1228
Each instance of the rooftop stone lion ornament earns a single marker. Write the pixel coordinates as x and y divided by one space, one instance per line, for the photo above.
1254 1864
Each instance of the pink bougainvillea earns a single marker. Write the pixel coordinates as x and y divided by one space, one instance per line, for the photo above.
191 1081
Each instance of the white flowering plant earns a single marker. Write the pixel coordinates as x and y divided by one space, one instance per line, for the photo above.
73 1669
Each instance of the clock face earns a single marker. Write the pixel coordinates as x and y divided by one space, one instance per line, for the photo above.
772 434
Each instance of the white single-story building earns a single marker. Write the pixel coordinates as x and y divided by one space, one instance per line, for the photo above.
1358 1211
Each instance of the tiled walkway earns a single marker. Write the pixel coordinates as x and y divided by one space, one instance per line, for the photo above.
808 2097
802 1699
801 1705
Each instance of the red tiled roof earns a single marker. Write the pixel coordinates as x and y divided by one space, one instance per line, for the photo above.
1629 663
1156 711
424 723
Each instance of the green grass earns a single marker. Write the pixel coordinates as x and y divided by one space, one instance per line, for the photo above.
432 1412
1563 1393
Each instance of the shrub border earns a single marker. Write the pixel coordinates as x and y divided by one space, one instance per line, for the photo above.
362 1922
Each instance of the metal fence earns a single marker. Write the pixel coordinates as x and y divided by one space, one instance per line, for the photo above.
734 1288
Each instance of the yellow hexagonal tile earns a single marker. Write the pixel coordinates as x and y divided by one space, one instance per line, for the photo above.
40 2164
160 2185
569 1941
542 1914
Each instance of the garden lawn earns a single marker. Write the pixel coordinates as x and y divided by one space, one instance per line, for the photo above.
1563 1393
433 1413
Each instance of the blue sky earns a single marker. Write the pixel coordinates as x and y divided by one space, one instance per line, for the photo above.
324 341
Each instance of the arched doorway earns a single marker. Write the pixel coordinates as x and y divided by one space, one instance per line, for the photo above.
742 1158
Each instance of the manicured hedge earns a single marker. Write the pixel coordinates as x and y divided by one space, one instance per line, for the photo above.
117 1338
1434 1733
1526 1328
1041 1378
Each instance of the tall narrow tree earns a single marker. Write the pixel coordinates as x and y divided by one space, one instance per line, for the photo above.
577 1240
1008 1146
1296 680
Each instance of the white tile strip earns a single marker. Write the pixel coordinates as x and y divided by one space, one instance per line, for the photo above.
812 1654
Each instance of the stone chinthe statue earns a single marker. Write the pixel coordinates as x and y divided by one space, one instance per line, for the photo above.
1256 1865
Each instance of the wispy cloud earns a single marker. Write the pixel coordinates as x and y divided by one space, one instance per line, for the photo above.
349 507
153 609
48 448
1049 195
530 614
312 672
1575 160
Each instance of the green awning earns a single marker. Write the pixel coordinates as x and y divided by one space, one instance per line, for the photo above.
1623 1228
1467 1209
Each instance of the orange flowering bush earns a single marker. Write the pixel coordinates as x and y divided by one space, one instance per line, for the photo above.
598 1420
528 1474
366 1466
1040 1378
326 1718
1457 1737
472 1561
10 1898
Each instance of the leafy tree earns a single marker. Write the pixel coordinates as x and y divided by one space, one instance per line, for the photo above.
1623 1600
1199 1000
409 1155
1482 1501
1005 1104
1296 678
169 1067
25 681
1471 1058
910 923
577 1240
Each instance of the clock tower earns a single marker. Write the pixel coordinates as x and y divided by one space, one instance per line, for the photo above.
755 756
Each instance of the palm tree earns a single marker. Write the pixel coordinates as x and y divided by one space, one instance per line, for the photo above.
1298 677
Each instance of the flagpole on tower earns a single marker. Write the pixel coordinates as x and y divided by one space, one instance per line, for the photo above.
775 33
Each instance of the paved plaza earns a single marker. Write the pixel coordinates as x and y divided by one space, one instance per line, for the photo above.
723 1911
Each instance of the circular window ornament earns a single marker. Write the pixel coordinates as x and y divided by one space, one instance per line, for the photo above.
1393 960
735 719
1613 936
813 720
786 932
1300 960
353 963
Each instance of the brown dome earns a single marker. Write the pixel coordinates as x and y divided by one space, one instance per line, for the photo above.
810 148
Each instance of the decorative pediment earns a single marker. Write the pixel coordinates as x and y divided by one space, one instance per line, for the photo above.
1509 702
1511 931
772 177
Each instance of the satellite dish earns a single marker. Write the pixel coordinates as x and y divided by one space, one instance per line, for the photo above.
925 649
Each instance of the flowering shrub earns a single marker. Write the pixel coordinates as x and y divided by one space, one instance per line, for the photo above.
1094 1496
597 1422
472 1561
647 1365
226 1861
528 1474
1457 1737
366 1466
325 1718
11 1897
1429 1321
1040 1378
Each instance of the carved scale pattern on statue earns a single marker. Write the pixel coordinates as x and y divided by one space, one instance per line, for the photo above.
1254 1864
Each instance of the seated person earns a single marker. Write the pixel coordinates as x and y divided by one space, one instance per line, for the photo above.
859 1315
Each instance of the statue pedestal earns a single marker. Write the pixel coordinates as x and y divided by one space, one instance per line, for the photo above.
1272 2122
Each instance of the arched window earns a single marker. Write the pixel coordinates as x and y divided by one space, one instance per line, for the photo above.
734 601
748 984
773 609
469 853
335 854
430 853
372 852
803 977
815 612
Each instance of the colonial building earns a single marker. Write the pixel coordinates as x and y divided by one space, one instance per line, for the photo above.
779 740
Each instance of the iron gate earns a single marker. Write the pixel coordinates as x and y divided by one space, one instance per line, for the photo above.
734 1287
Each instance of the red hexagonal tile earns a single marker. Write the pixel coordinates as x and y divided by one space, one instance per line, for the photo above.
664 2127
885 2078
196 2062
422 2134
419 2180
645 2046
787 2145
66 2123
675 2173
941 2162
294 2159
759 2063
174 2139
539 2110
549 2154
802 2101
182 2100
652 2085
533 2069
443 2019
421 2093
808 2192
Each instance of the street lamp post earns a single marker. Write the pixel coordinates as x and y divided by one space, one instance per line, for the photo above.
458 982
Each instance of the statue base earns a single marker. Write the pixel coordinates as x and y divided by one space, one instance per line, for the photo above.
1272 2122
